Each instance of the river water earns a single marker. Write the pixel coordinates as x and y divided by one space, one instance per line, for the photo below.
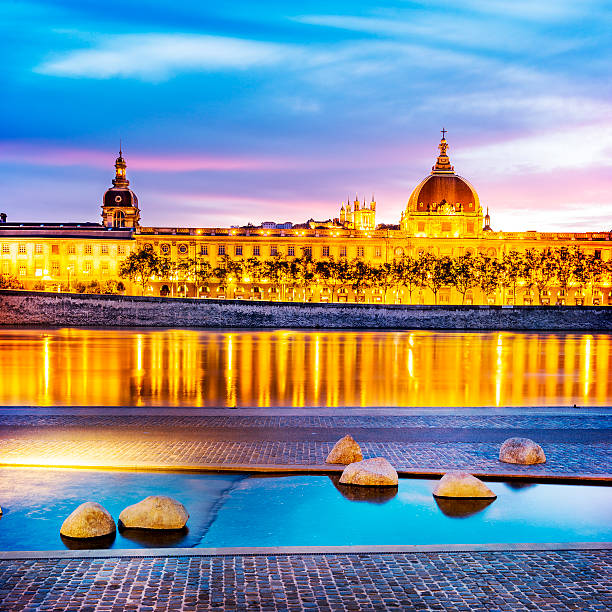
299 510
296 368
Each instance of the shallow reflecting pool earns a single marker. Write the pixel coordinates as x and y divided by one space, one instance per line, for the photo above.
130 367
241 510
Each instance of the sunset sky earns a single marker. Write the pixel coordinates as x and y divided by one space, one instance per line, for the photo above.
241 111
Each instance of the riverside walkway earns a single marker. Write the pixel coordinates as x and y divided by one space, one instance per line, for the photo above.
578 444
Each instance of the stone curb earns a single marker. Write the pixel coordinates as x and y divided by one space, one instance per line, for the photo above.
307 411
301 550
271 468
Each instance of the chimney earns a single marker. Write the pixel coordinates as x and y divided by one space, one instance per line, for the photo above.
2 217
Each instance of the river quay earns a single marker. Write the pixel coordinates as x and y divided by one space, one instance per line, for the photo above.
62 309
530 576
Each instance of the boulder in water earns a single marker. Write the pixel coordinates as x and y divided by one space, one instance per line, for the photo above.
370 472
155 512
89 520
462 485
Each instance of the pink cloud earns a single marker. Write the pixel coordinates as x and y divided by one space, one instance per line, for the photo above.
66 156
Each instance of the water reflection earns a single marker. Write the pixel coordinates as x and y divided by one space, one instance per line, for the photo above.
462 508
303 368
155 538
372 495
89 543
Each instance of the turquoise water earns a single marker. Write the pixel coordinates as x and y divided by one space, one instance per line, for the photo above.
242 510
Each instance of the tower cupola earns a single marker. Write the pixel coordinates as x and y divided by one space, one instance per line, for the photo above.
120 204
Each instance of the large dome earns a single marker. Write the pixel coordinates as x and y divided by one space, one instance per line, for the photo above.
437 190
120 196
443 190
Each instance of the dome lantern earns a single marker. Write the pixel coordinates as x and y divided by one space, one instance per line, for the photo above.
120 204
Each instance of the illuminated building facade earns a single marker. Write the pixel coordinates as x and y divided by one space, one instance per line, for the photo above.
443 216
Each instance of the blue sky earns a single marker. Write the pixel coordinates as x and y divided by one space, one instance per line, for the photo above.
251 111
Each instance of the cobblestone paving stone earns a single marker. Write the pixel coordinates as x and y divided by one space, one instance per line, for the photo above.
424 421
472 581
481 457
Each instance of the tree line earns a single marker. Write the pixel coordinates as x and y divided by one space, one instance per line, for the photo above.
534 269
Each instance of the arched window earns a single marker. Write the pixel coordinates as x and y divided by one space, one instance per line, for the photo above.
118 219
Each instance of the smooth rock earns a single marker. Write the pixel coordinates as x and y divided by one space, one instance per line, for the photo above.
89 520
521 450
463 485
370 472
345 451
155 512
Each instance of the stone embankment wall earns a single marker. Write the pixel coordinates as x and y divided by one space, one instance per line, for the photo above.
30 308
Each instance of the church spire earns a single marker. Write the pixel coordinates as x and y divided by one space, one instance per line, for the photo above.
443 164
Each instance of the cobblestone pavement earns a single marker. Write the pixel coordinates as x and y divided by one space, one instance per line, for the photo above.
477 457
458 421
478 581
445 442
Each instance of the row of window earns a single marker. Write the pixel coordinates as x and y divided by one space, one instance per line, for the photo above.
56 270
257 250
88 249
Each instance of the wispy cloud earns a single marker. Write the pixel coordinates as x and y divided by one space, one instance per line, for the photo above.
45 155
559 10
410 26
573 148
159 56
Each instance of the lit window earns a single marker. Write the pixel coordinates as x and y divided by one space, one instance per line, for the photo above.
165 249
71 249
5 267
87 267
291 251
221 250
104 249
204 249
21 249
38 249
325 251
118 219
104 269
359 251
55 268
121 250
307 251
238 250
256 251
22 271
446 226
274 251
421 226
6 248
343 251
88 249
182 249
377 252
55 249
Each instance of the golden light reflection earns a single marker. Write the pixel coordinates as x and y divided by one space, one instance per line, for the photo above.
587 364
499 370
303 368
46 367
